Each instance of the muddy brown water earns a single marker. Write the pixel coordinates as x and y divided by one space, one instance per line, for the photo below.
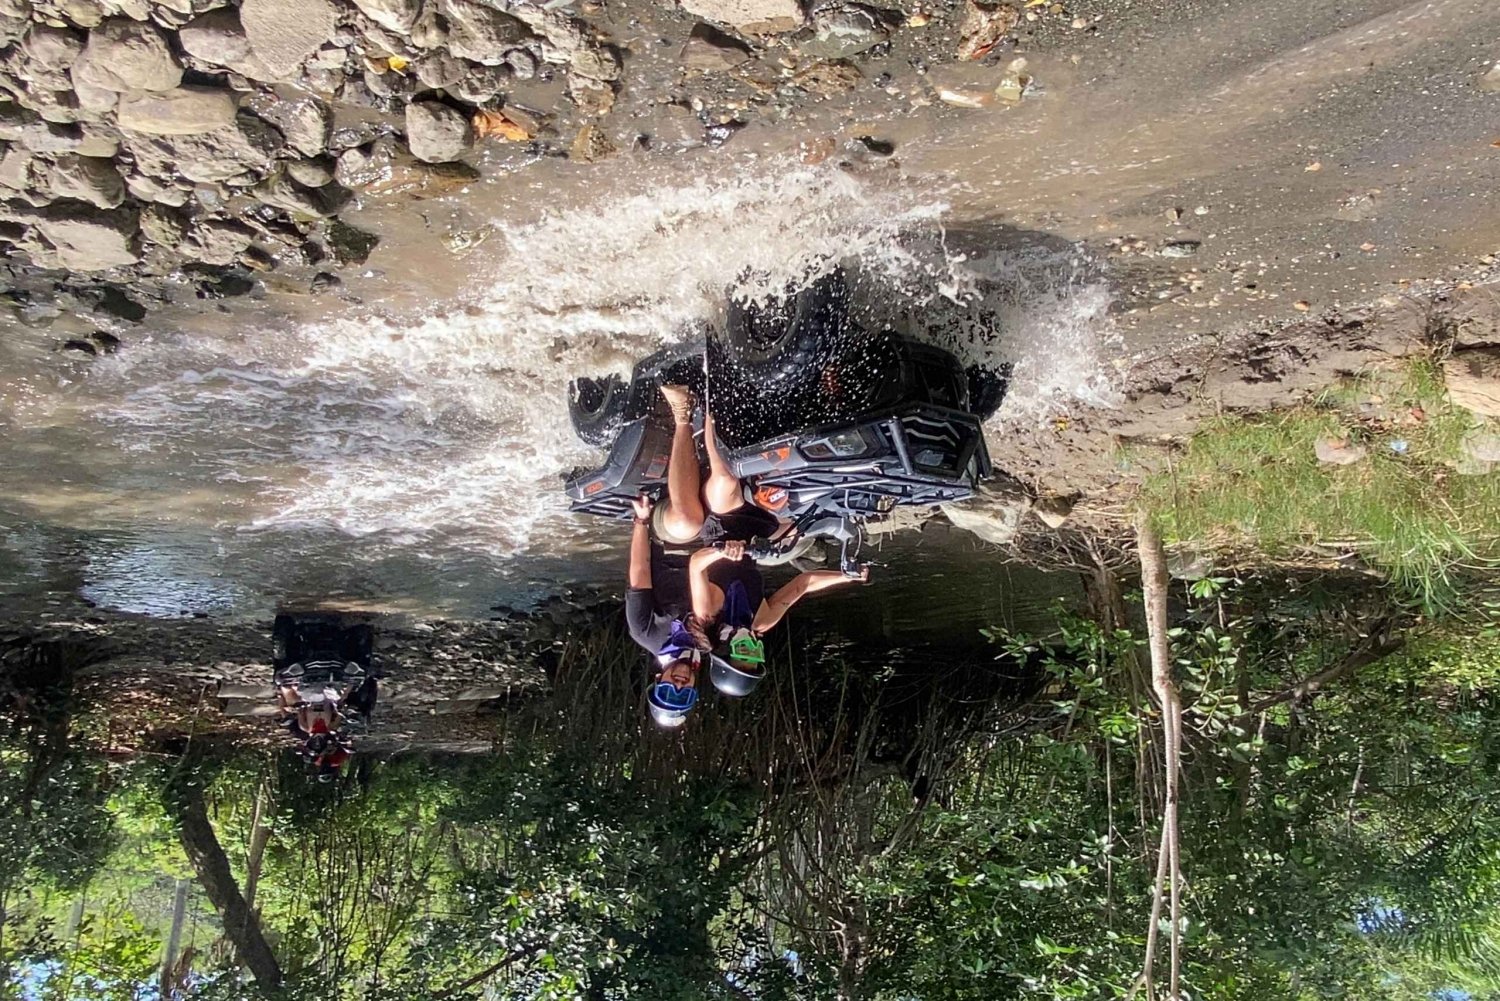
399 444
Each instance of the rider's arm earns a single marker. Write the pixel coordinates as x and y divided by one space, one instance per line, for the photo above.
699 586
640 557
774 608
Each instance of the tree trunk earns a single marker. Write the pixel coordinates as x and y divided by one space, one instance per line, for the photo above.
260 835
174 937
241 926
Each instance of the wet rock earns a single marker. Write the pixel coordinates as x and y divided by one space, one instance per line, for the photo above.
1053 511
51 49
323 281
590 145
124 55
390 86
348 244
481 34
306 123
311 173
522 63
283 33
217 241
387 169
249 146
88 239
163 225
397 15
1490 82
755 17
183 111
480 84
157 191
314 203
437 133
1179 248
829 79
994 513
1473 379
983 26
218 39
430 30
87 179
440 71
709 50
592 98
1338 451
842 31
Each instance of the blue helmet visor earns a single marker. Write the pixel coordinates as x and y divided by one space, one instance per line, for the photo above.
669 696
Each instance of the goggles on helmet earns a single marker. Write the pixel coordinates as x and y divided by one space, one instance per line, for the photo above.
745 645
669 696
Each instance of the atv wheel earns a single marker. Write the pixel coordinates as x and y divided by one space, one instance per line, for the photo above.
786 344
597 409
987 388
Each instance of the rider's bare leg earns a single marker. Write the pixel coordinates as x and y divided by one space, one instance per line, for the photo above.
722 491
684 515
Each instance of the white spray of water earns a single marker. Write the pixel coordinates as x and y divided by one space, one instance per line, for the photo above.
456 421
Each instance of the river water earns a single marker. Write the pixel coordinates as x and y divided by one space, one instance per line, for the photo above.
404 451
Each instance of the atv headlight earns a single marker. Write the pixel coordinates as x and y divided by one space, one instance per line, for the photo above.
850 444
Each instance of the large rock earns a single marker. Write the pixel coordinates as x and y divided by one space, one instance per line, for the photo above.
397 15
481 34
88 239
437 133
283 33
247 147
314 203
757 17
994 513
842 31
124 55
52 49
185 111
1473 378
218 39
709 50
387 170
217 241
306 122
87 179
21 171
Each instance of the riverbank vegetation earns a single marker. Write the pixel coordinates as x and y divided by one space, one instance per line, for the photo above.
884 822
1381 466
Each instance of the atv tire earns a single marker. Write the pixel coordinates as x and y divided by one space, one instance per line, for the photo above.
784 345
597 409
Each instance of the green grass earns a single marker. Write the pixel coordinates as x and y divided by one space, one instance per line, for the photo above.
1257 481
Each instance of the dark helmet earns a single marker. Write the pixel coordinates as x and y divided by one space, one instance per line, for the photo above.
737 680
669 706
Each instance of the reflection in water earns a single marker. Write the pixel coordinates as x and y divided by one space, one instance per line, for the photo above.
910 819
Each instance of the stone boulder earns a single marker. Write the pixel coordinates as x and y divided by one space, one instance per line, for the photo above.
709 50
437 133
480 33
246 147
124 55
387 169
51 49
994 513
87 179
395 15
1473 378
755 17
842 31
283 33
218 39
217 241
87 239
184 111
307 123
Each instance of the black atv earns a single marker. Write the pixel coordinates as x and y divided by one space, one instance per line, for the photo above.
851 422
